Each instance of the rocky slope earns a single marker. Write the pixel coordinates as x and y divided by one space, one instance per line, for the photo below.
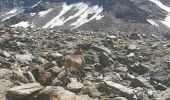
118 67
84 15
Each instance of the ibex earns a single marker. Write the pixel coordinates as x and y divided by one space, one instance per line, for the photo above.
75 60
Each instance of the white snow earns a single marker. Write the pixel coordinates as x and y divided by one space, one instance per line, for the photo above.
22 24
152 22
83 10
166 21
13 11
32 14
43 13
36 4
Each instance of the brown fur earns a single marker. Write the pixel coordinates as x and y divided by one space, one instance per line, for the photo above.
75 60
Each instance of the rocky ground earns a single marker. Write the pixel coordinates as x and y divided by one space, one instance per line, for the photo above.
118 67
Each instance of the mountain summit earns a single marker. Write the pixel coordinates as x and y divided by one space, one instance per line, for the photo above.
83 14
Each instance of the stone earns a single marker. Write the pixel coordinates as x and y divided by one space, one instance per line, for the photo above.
30 77
112 76
111 37
120 89
105 60
40 60
74 85
24 90
90 89
131 55
91 58
141 82
140 68
154 46
134 36
101 49
56 55
42 76
161 77
132 47
143 96
19 76
55 70
119 98
121 69
165 95
56 93
24 58
4 87
5 54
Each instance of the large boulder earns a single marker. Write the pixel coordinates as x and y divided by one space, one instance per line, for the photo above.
75 86
105 60
165 95
23 91
90 89
59 93
118 89
141 82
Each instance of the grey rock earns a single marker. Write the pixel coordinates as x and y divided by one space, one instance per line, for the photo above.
161 77
105 60
120 89
55 70
111 37
90 89
5 54
119 98
74 85
30 77
165 95
101 49
140 68
141 82
19 76
24 90
56 55
132 47
143 96
59 93
24 58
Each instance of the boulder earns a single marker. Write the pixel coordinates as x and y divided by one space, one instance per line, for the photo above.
42 76
132 48
140 68
90 89
59 93
119 89
101 49
143 96
55 70
165 95
4 87
5 54
141 82
24 58
22 91
105 60
74 85
19 76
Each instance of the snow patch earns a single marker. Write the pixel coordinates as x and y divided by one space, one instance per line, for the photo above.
84 12
43 13
152 22
166 21
36 4
13 11
22 24
32 14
